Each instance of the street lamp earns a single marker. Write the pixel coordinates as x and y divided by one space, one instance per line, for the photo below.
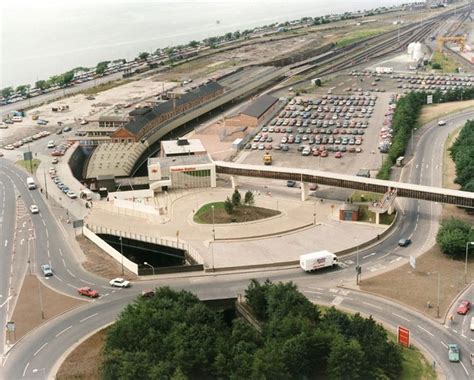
213 225
121 252
152 267
439 286
465 265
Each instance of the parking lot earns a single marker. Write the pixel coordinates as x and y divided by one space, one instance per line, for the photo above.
328 132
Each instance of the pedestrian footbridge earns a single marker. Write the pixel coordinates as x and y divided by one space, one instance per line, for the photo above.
307 176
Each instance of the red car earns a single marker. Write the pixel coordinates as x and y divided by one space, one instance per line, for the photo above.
88 292
463 307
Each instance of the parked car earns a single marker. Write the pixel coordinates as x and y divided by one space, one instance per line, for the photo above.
463 307
453 352
47 270
88 292
404 242
119 283
71 194
67 129
441 122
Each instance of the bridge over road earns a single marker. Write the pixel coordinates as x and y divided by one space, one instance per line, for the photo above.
307 176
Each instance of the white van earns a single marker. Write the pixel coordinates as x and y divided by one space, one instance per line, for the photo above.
30 182
51 144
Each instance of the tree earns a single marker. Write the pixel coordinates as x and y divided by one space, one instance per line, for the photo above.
41 84
436 66
23 89
66 78
143 56
228 206
7 92
453 235
101 67
236 198
193 43
249 198
345 360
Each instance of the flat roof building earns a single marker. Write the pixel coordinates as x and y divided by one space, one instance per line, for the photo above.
255 113
182 147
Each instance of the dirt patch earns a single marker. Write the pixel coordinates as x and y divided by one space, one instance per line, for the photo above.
100 263
417 287
36 304
435 111
85 361
240 214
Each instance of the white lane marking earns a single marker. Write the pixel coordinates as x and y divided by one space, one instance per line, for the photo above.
87 282
86 318
39 349
369 304
72 286
70 273
370 254
425 330
456 331
312 292
26 367
399 316
464 367
63 331
47 234
395 260
3 304
60 252
337 300
444 344
64 263
6 243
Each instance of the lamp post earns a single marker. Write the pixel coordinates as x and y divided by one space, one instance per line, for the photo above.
465 264
213 225
121 252
438 295
152 267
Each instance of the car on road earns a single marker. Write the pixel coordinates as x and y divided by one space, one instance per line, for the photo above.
453 352
54 161
34 209
67 129
463 307
88 292
404 242
441 122
47 270
119 283
290 183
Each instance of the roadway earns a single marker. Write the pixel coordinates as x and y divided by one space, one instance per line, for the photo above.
39 351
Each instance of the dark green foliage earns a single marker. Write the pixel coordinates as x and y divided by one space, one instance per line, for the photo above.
228 206
101 67
436 66
249 198
174 336
236 198
453 236
462 153
143 56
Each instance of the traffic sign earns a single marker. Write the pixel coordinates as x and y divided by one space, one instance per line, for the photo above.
429 99
404 336
10 326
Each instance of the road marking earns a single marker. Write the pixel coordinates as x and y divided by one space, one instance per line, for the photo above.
60 252
333 290
312 292
337 300
39 349
63 331
26 367
72 286
370 254
6 243
456 331
464 367
426 331
395 260
3 304
87 282
70 273
86 318
444 344
369 304
399 316
64 263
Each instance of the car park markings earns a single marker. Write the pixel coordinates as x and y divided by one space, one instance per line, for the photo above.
86 318
399 316
444 344
426 331
63 331
39 349
371 305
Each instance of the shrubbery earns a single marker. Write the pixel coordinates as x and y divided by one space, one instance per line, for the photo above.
453 236
173 335
462 153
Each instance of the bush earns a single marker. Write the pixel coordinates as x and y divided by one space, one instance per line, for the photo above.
453 236
436 66
236 198
228 206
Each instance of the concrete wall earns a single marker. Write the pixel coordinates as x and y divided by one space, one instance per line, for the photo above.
130 265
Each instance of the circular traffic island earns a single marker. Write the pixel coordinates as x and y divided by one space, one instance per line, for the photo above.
219 213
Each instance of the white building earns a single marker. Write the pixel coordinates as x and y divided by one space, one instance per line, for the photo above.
182 147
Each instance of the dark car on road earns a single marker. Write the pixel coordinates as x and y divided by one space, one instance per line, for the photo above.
404 242
290 183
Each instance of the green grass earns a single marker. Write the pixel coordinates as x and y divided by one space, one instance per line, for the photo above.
368 196
358 36
365 215
26 164
204 210
448 65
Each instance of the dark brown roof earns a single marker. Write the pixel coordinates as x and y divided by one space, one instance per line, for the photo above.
258 107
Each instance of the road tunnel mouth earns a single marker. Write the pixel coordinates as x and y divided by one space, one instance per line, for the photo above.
151 258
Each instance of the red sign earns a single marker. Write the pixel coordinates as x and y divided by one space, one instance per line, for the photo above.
404 336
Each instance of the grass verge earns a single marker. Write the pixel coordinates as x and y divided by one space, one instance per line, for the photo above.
206 215
357 36
29 166
448 65
365 196
435 111
365 215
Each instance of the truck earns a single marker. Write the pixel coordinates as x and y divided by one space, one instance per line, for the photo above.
267 159
30 182
317 260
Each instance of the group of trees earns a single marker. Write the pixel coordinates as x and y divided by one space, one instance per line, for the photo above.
235 201
462 153
173 335
452 237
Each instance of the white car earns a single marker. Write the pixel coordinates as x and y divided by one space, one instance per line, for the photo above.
119 282
441 122
34 209
54 161
71 194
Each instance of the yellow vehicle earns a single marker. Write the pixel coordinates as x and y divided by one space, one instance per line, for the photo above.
267 159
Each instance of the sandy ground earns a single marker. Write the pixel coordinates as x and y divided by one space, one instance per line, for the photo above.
435 111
